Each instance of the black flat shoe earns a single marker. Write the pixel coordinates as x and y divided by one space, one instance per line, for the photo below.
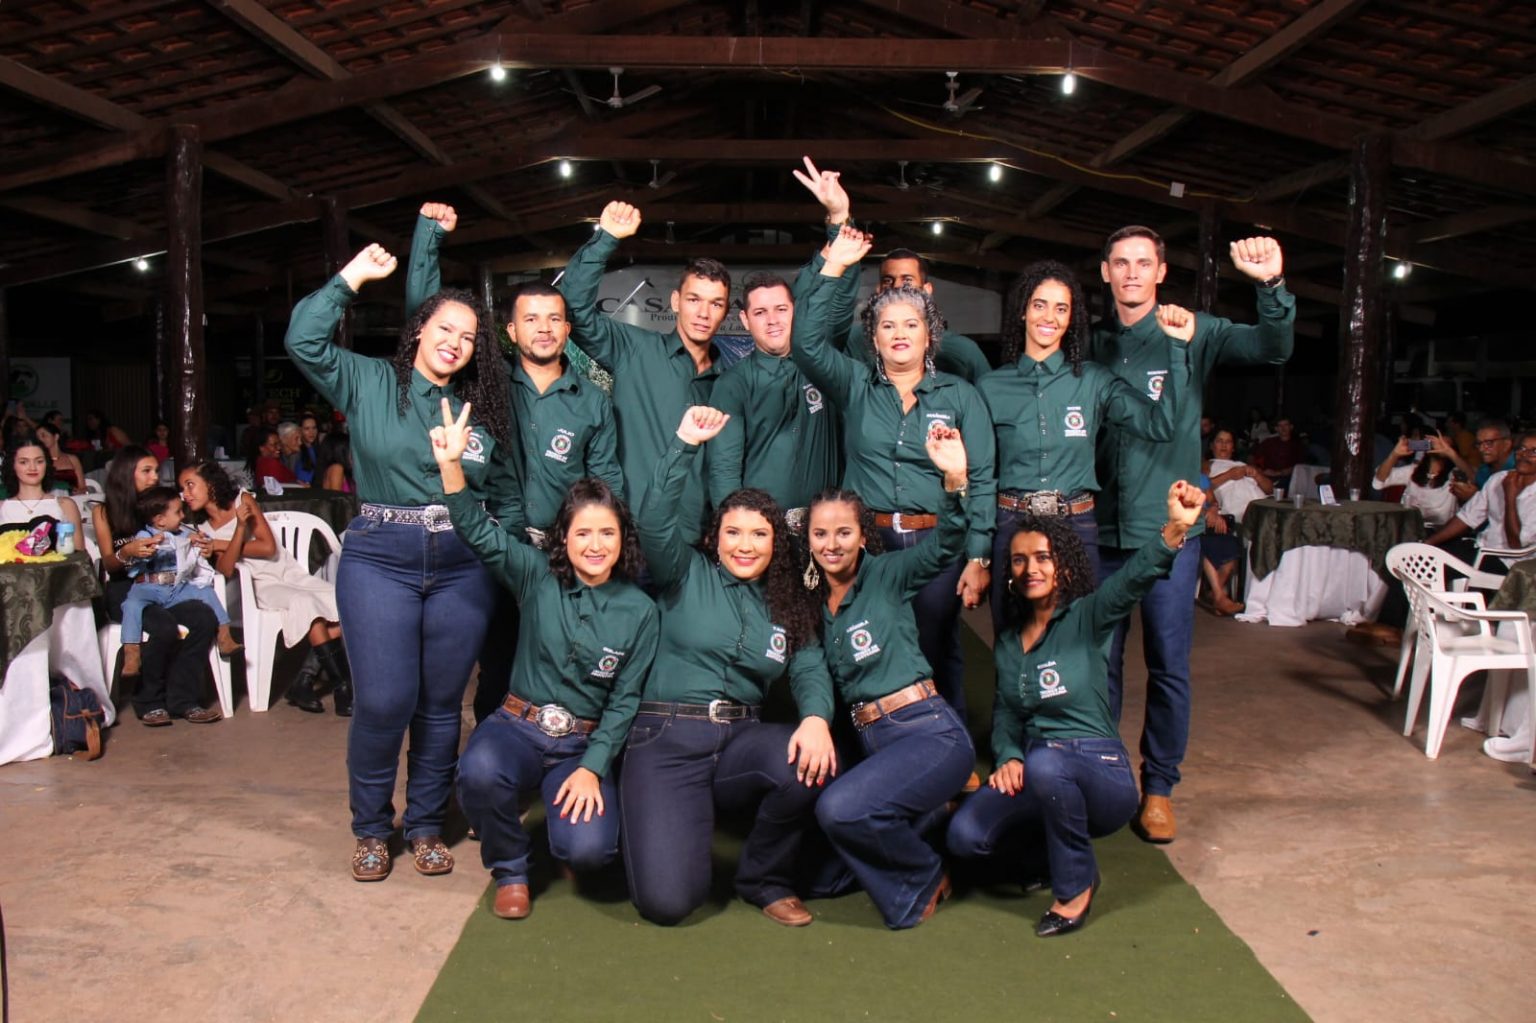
1053 924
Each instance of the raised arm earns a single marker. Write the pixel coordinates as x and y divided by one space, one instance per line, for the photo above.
832 371
1121 592
330 368
1132 411
603 452
423 275
518 566
728 452
597 335
667 552
1274 337
910 570
252 537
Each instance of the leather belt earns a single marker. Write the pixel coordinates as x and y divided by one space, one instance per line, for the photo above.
432 517
718 711
1046 502
157 578
906 522
551 719
865 714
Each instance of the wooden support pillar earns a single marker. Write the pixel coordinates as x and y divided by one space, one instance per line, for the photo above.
1210 259
338 252
487 289
1362 314
181 341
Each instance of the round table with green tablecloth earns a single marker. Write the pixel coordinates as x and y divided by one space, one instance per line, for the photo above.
1321 561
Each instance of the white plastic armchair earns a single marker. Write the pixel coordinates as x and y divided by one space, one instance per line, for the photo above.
294 532
1457 641
1507 553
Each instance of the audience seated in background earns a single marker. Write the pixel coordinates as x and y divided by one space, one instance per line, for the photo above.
267 461
1234 483
1276 456
1426 484
159 442
333 469
67 471
101 434
1220 548
1506 505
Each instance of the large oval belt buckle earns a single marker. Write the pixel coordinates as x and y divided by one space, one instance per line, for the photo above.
554 720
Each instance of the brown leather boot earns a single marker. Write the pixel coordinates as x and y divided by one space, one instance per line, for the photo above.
133 662
789 911
512 902
1154 821
226 642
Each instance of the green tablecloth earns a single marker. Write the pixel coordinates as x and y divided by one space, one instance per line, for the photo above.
1519 590
1370 527
335 507
29 593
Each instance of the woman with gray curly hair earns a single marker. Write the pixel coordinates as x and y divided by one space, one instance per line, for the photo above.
890 408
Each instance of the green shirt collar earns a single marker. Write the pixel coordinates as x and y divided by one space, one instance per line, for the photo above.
1050 365
566 381
420 385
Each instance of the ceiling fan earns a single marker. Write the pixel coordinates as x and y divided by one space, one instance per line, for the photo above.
958 105
618 100
658 179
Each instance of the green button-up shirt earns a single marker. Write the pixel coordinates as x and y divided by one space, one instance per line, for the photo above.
392 459
871 641
1046 418
654 378
1060 689
885 446
1135 473
717 640
586 648
566 434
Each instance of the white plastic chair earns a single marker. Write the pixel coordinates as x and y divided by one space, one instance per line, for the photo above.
1508 553
1457 641
110 639
294 532
1427 566
94 491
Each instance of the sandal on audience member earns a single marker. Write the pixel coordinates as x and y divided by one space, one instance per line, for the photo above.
370 860
431 855
157 718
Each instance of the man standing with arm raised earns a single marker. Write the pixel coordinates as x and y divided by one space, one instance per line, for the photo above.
656 375
1136 473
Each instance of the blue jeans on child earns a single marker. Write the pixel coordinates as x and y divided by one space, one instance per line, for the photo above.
508 756
1075 790
143 595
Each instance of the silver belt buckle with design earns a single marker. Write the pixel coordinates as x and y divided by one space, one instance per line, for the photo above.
437 518
555 721
1045 502
715 707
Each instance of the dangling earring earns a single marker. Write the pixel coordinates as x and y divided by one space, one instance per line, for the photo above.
812 576
928 360
1010 584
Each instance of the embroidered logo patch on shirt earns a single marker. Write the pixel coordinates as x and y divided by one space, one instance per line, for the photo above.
1050 681
474 449
813 400
862 641
1155 383
938 419
1075 422
560 445
609 663
778 645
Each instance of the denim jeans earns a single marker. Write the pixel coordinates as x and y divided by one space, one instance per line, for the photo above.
917 758
147 595
675 771
937 611
496 655
1075 790
414 606
173 668
1167 630
508 756
1083 524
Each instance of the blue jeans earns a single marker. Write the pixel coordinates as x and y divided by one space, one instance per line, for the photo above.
143 595
414 606
1167 630
675 771
508 756
937 611
1075 790
917 758
1083 524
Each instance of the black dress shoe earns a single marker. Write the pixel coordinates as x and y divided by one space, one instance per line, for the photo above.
1052 923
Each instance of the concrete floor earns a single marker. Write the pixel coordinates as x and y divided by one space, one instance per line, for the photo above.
200 872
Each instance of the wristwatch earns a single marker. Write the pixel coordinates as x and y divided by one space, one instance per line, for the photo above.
983 562
1273 282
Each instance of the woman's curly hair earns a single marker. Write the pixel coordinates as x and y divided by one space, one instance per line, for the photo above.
1074 341
222 490
8 469
866 518
789 605
585 493
1074 575
918 299
482 382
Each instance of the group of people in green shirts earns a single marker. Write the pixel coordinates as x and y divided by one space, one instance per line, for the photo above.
819 511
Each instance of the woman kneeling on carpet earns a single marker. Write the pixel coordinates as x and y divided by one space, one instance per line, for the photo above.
1063 776
586 639
734 620
917 754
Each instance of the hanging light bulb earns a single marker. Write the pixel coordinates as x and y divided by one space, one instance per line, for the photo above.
141 265
995 173
498 73
565 168
937 227
1068 84
1401 271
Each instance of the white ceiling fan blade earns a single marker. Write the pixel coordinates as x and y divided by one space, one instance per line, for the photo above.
645 93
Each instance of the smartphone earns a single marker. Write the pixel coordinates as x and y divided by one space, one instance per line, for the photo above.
1418 445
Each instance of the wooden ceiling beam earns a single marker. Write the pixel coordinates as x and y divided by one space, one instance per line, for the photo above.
76 216
947 16
1300 180
1478 111
1458 225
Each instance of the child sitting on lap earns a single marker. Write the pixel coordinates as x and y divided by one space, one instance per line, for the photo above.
174 573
